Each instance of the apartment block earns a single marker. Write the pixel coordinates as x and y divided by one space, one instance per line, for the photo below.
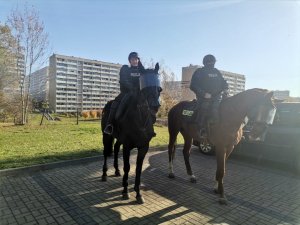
14 82
282 95
39 84
81 84
236 82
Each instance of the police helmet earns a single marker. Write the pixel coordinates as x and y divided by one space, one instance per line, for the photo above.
209 59
133 55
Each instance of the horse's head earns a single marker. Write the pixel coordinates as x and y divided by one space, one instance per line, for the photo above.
262 115
141 114
150 88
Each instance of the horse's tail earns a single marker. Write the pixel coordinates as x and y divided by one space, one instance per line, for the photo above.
105 114
108 140
173 129
108 144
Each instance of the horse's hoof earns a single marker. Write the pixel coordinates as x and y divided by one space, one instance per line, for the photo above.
140 200
104 178
117 173
193 180
223 201
126 196
171 175
216 191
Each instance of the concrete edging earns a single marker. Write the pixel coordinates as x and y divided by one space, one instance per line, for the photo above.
59 164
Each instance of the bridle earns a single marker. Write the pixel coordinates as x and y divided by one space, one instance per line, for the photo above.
262 116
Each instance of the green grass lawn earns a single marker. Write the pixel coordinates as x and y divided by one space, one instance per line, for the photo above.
53 141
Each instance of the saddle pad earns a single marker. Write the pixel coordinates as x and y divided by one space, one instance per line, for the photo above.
189 113
186 112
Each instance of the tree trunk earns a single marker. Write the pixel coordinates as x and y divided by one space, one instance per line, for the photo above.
22 107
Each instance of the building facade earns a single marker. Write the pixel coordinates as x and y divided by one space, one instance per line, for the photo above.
39 85
282 95
15 81
236 82
81 84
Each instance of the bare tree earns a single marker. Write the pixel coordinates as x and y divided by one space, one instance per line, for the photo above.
171 93
32 43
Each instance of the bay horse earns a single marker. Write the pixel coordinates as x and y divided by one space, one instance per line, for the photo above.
256 104
134 129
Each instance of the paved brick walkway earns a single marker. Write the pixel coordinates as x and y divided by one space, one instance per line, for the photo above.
76 195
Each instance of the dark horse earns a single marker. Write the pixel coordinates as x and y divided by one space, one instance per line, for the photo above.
256 104
109 144
134 128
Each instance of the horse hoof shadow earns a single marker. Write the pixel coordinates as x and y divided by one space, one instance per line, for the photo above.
223 201
104 178
140 200
126 196
117 174
193 180
215 191
171 175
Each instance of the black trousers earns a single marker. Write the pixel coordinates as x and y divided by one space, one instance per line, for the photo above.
209 110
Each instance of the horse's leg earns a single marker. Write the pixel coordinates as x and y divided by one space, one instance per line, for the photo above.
186 153
139 166
221 159
104 169
116 154
228 152
126 169
107 142
171 151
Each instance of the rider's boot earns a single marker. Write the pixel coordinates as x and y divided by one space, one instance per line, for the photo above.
200 120
214 118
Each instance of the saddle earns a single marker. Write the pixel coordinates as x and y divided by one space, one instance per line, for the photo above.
198 115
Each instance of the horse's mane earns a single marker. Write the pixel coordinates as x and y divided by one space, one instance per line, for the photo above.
255 92
243 99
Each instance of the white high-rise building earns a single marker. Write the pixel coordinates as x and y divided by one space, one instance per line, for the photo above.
39 84
236 82
81 84
282 95
16 70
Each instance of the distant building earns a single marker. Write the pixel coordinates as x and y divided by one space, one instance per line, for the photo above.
16 72
236 82
83 84
282 95
39 85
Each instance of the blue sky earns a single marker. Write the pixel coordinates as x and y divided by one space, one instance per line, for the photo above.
260 39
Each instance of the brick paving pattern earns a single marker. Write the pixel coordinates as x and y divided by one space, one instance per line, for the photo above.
76 195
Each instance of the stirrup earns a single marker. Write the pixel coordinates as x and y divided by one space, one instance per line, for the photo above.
109 129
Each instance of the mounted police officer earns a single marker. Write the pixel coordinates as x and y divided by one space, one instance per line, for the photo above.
129 86
209 86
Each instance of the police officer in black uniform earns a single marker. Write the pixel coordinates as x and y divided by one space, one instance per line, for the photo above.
209 86
129 85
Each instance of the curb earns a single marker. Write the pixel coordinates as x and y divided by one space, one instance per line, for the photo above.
60 164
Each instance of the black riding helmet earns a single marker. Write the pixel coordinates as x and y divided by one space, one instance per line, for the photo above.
209 60
133 55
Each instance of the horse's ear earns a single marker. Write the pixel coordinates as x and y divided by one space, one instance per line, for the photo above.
156 67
